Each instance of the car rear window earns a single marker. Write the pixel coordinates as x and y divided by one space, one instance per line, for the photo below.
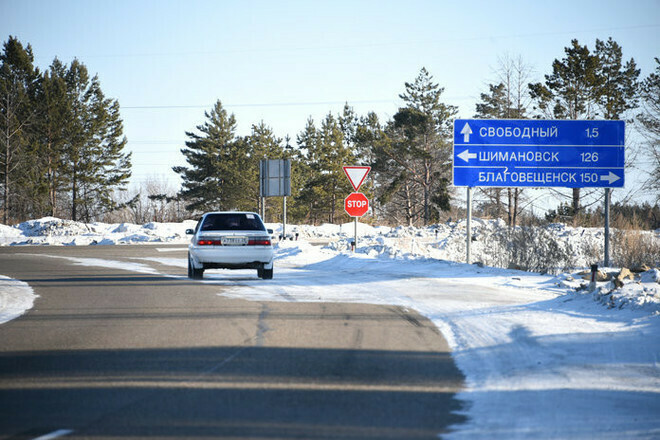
232 222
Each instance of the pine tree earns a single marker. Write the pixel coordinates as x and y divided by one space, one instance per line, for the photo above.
18 81
54 108
208 183
494 103
571 90
348 122
585 85
649 119
94 164
307 141
325 154
369 136
396 192
619 83
335 154
420 149
106 167
262 144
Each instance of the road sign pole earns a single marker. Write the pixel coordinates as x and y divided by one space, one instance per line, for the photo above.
355 242
469 223
284 219
608 197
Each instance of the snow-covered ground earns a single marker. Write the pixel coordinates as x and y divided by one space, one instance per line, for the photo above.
542 359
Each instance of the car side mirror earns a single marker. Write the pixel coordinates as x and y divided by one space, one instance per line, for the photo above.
270 231
190 232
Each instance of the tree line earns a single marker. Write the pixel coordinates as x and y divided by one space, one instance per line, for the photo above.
61 152
62 144
410 158
411 154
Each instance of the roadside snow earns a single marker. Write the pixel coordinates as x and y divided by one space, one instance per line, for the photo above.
543 356
16 297
54 231
540 361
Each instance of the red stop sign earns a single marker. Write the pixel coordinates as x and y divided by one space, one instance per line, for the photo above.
356 204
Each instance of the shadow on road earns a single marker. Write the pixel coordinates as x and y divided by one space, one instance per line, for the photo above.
237 392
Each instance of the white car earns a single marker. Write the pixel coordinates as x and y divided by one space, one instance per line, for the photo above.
230 240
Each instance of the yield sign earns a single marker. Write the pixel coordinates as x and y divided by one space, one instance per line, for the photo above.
356 175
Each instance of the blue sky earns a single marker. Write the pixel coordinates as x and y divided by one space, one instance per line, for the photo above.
283 61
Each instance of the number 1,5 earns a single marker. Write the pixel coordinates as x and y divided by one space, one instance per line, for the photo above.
592 132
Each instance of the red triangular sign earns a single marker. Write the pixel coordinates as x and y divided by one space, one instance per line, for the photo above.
356 175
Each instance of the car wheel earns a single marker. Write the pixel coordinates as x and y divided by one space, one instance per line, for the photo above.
260 273
195 274
267 274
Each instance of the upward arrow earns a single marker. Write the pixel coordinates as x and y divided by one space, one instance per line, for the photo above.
466 132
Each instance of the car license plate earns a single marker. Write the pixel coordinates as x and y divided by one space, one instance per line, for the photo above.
234 241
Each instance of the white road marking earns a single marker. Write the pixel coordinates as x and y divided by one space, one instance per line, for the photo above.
55 434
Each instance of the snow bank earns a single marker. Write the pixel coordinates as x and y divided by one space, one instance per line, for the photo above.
444 242
16 297
642 292
54 231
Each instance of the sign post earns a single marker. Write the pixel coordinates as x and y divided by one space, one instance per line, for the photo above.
468 242
275 181
539 153
356 204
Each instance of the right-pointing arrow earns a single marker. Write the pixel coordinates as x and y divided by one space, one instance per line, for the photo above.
611 178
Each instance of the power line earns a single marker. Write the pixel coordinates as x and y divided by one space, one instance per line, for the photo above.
265 104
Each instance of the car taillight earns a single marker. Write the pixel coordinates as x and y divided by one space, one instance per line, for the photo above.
209 242
259 241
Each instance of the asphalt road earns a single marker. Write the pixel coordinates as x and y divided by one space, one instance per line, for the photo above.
109 353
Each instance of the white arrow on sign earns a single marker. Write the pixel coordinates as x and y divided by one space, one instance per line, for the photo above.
611 177
466 132
466 155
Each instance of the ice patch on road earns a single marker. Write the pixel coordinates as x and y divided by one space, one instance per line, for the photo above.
173 262
108 264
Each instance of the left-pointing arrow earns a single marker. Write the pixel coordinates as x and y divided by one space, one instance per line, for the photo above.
611 178
466 155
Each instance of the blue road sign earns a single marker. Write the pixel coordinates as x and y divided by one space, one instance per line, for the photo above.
539 153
